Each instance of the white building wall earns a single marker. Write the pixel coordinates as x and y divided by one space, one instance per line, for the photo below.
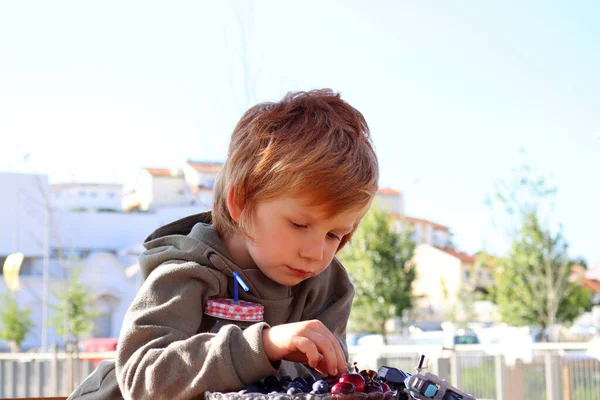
144 190
393 203
438 279
101 271
440 238
86 196
169 191
113 291
114 240
101 231
23 207
191 175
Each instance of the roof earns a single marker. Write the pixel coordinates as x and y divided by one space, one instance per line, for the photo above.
72 185
463 257
592 284
205 166
165 172
414 220
388 191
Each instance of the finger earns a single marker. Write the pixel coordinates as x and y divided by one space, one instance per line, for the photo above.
326 343
339 359
309 348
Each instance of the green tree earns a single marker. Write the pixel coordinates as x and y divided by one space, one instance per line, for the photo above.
16 322
379 263
74 315
532 281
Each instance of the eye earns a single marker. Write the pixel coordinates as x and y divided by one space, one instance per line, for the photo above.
297 225
333 236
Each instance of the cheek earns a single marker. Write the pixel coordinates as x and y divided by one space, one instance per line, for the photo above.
328 256
273 243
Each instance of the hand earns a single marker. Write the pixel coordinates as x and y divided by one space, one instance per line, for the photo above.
308 342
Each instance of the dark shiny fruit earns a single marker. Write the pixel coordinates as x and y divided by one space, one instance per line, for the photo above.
310 379
373 387
294 390
271 381
356 379
343 388
321 386
298 386
256 387
300 380
385 387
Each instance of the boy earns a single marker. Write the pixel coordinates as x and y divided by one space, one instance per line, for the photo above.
299 176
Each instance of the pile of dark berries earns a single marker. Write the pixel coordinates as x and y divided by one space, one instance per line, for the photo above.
366 381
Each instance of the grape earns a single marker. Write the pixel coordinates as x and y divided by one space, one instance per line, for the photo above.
294 390
256 387
321 386
271 381
310 379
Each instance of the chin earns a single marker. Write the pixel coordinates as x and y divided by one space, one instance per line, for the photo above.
288 280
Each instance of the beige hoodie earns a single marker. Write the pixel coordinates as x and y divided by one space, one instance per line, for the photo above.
165 350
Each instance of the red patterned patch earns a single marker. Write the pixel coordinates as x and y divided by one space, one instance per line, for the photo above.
227 309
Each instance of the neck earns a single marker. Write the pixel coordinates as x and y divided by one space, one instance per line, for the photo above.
236 245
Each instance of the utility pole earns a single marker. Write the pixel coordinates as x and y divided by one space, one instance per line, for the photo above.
45 277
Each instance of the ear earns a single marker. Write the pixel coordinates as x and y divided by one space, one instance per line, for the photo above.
235 209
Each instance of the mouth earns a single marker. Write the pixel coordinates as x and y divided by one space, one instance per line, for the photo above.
298 272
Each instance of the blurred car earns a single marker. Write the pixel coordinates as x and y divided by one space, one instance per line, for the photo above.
423 338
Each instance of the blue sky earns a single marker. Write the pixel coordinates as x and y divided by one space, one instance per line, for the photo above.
452 91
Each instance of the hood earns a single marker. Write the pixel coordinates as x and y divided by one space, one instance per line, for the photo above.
194 239
191 238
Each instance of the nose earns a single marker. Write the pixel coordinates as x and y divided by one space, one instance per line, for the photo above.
313 249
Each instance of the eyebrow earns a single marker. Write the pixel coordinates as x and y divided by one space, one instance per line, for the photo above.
346 230
311 218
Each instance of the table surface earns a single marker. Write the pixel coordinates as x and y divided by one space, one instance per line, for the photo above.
36 398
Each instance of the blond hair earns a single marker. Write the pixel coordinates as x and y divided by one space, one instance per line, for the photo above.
311 143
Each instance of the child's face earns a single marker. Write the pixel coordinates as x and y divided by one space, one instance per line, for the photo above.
293 241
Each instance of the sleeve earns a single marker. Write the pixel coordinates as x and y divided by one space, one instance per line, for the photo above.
160 353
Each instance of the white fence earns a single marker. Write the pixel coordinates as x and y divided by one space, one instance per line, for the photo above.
544 371
554 371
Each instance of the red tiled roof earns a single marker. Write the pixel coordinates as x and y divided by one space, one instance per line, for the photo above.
463 257
413 220
205 166
162 171
386 191
592 284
